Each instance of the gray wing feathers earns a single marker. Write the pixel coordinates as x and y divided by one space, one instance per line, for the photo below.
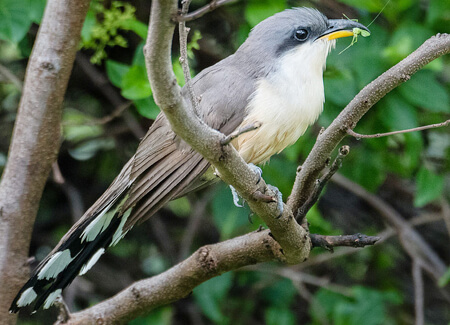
223 104
161 170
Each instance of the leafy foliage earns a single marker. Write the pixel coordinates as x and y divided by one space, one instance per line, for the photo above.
365 305
99 33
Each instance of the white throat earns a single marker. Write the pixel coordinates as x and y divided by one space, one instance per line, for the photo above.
286 102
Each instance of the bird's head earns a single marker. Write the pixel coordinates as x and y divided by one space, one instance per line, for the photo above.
303 32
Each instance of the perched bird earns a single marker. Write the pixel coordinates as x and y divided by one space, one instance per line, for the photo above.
275 79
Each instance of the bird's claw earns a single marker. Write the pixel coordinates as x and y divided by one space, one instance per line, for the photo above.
257 170
235 194
235 197
279 198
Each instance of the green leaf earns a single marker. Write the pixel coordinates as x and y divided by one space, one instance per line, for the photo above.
425 91
138 56
211 294
369 5
256 11
147 107
15 20
180 206
366 306
76 126
396 113
340 86
280 172
136 26
445 279
36 10
280 294
407 38
135 84
324 303
438 15
279 316
179 74
429 187
87 150
365 167
227 217
89 22
116 71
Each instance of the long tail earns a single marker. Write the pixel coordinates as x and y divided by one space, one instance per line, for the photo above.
75 255
160 170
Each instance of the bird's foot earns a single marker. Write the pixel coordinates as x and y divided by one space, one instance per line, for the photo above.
236 197
279 198
257 170
235 194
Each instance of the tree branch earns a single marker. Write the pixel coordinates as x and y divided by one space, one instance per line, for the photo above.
431 49
179 281
11 77
209 261
379 135
383 235
35 144
328 242
201 11
418 293
229 164
320 184
413 243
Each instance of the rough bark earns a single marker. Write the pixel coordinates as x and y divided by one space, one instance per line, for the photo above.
35 140
179 281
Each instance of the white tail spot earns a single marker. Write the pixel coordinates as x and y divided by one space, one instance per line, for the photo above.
51 298
26 297
57 263
119 234
86 267
97 226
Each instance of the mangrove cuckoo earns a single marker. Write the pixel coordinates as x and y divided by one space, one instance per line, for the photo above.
274 79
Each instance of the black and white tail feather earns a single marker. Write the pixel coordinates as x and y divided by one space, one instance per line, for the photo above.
75 255
161 170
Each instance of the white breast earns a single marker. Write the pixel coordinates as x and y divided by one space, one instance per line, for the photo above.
285 103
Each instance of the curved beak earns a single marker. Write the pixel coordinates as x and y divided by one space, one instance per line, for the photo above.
338 28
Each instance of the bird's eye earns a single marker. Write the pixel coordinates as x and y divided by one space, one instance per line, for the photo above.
301 34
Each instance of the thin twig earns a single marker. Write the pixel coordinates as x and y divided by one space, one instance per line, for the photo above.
384 236
418 292
201 11
300 277
225 141
197 215
57 175
343 152
356 240
379 135
108 118
11 77
102 83
412 242
184 31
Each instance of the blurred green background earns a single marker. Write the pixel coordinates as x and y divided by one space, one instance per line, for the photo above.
108 108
